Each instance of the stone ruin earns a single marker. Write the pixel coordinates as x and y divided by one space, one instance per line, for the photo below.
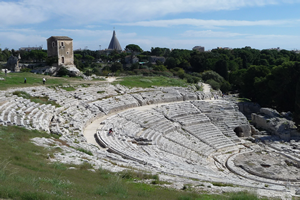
180 133
13 63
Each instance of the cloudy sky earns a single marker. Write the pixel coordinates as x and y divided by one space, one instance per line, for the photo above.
182 24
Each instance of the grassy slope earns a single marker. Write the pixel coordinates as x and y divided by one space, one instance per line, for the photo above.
26 173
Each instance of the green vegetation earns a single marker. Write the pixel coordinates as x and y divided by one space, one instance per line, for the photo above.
26 173
17 80
223 184
41 100
85 151
147 82
68 88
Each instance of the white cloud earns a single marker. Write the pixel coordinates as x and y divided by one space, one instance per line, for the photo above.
15 13
210 23
210 33
16 38
101 11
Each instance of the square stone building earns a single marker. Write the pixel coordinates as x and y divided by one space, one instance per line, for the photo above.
61 47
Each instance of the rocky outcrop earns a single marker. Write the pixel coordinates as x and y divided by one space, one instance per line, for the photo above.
247 108
13 63
275 123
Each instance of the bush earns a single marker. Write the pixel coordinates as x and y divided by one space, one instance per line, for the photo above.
96 71
25 70
207 75
104 73
225 86
215 85
62 72
164 73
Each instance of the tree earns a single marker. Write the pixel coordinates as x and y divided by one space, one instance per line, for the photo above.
297 104
207 75
156 51
171 63
116 67
252 78
159 68
133 48
221 68
38 55
78 56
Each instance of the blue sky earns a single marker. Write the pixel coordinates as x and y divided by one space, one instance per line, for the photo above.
182 24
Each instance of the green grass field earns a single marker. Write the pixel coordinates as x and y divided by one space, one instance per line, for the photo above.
17 80
27 173
13 80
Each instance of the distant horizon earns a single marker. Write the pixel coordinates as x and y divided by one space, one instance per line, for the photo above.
173 24
169 48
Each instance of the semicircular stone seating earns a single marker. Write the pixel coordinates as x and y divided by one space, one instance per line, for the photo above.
176 137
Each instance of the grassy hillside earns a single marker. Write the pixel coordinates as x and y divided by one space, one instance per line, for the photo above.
27 173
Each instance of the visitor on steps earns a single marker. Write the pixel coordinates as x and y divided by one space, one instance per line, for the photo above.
110 132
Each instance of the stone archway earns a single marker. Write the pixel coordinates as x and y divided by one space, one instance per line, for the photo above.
239 131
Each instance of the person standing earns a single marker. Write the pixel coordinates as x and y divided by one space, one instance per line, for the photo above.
25 80
44 80
5 72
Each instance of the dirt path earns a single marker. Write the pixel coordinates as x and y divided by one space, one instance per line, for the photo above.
110 79
206 87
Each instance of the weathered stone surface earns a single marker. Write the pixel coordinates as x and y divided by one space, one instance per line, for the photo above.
247 108
13 64
271 121
269 165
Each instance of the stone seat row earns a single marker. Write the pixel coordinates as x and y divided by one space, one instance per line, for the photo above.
115 104
178 109
178 150
22 112
191 119
210 135
191 142
142 118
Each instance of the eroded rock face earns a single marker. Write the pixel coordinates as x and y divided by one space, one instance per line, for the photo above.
13 64
269 165
275 123
247 108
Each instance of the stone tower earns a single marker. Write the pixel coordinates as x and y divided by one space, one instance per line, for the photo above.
61 47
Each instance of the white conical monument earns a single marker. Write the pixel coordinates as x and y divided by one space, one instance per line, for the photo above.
114 43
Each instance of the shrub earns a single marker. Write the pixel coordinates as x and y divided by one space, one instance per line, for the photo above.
215 85
104 73
225 86
62 72
25 70
207 75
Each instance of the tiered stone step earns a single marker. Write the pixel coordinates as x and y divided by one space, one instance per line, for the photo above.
115 104
210 134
